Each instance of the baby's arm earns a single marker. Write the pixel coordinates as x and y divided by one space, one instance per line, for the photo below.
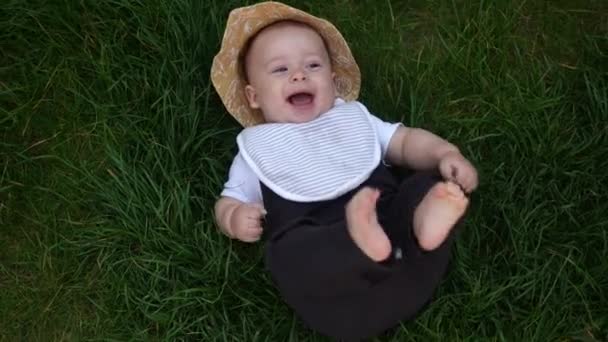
417 148
420 149
239 220
238 211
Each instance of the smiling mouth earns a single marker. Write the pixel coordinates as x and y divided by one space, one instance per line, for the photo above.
301 99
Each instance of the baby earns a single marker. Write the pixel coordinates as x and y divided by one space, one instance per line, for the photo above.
352 248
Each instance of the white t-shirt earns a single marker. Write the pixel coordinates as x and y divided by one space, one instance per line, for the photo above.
244 185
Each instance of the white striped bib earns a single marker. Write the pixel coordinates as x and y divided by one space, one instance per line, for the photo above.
317 160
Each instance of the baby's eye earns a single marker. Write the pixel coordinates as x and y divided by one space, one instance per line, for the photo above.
314 65
279 70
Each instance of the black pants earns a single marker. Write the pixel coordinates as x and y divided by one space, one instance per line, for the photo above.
329 282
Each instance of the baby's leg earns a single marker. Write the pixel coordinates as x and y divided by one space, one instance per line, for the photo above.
437 213
363 226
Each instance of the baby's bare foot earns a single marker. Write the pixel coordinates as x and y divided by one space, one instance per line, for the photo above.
436 215
363 225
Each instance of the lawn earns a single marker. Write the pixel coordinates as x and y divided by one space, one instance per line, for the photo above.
114 147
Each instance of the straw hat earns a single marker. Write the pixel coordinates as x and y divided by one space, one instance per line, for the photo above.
243 24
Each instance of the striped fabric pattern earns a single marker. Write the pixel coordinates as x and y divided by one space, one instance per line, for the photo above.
317 160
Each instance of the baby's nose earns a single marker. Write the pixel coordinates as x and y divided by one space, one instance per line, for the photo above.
299 75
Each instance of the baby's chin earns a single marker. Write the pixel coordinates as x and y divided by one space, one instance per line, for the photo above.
295 115
293 118
309 116
306 116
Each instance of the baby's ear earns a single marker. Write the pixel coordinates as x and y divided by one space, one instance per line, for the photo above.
251 97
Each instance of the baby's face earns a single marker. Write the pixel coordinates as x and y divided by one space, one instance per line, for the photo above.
290 74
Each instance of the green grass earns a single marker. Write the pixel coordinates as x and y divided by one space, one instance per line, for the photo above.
115 146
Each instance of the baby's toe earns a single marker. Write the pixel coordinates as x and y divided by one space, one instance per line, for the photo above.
453 190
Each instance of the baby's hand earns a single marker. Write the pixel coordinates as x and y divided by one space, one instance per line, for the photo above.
456 168
246 222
